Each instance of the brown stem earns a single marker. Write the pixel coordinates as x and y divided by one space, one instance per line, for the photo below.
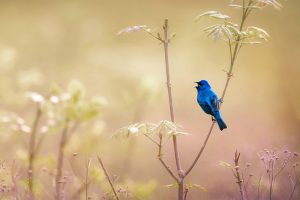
201 150
240 182
258 188
271 180
76 194
87 165
108 178
151 139
164 163
185 193
294 187
31 151
229 75
60 160
177 158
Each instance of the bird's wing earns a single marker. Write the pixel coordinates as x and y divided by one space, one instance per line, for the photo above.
214 102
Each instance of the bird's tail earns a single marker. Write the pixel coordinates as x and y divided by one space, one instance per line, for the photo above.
220 121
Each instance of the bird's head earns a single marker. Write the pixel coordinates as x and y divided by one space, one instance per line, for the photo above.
201 85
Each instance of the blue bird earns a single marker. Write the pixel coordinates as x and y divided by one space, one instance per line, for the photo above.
209 102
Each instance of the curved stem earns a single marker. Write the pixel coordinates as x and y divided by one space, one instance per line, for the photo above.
201 150
229 75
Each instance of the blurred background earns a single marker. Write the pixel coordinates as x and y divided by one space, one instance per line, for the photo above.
49 41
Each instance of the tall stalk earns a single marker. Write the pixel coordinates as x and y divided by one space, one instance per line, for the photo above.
32 152
60 161
175 146
233 57
108 179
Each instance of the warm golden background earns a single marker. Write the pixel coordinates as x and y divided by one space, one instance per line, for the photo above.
50 41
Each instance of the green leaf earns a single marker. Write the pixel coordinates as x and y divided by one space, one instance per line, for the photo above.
161 129
235 5
135 28
166 128
263 3
189 186
172 185
136 129
253 35
212 14
226 31
200 187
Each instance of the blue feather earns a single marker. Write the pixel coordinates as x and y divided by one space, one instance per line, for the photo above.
209 102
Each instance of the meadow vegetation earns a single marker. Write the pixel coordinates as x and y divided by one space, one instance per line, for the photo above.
58 145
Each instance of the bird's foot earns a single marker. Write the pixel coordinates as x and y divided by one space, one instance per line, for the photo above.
213 119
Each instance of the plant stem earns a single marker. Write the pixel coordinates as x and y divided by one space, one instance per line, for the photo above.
294 187
177 158
164 163
108 178
233 57
87 165
60 160
258 188
31 151
271 180
240 182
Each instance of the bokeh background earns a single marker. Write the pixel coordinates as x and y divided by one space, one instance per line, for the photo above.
50 41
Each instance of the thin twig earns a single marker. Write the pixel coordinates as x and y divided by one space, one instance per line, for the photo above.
185 193
175 145
271 179
201 150
31 151
60 160
229 75
240 181
258 188
108 178
152 35
87 165
164 163
151 139
82 188
294 188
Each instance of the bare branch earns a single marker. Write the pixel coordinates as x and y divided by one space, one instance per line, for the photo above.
108 178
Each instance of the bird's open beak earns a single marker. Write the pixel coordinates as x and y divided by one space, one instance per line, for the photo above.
195 86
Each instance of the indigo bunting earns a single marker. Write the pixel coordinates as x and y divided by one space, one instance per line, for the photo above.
209 102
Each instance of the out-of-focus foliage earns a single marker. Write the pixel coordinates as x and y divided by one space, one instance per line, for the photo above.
49 43
163 128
